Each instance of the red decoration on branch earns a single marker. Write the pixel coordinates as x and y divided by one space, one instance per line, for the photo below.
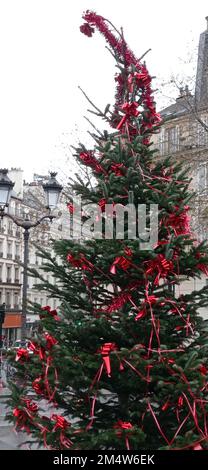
38 386
50 341
87 30
105 351
22 355
80 262
89 160
121 427
160 267
179 222
130 110
50 312
30 405
118 169
121 262
70 206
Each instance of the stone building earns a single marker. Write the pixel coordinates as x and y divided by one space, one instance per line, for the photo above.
184 135
27 199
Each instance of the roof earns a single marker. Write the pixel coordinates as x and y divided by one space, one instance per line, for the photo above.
181 106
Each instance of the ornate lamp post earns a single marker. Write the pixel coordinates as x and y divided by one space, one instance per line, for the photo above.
52 191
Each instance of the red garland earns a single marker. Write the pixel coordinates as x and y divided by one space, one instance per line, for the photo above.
140 78
89 160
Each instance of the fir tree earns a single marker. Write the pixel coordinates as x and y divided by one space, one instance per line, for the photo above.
123 362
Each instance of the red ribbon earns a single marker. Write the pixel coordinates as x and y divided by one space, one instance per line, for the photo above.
105 352
50 341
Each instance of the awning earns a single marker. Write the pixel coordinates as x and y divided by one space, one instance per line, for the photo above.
12 320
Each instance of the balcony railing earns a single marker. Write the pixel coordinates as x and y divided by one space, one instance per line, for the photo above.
9 280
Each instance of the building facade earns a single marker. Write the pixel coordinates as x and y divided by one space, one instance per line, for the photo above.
184 135
27 199
10 273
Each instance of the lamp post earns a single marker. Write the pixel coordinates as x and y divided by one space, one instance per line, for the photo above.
52 191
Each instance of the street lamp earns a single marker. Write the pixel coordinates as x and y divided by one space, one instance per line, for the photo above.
52 191
6 187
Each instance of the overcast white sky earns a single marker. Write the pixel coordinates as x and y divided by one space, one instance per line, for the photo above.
44 57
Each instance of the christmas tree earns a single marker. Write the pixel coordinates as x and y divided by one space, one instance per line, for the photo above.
123 362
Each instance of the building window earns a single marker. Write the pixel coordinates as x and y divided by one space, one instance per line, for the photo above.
202 178
202 133
1 273
1 249
10 228
172 139
9 274
16 300
17 251
8 299
16 274
9 250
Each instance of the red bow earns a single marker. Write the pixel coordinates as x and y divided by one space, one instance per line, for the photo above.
80 262
118 168
60 422
160 265
122 262
52 313
123 426
21 354
37 385
130 109
31 406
